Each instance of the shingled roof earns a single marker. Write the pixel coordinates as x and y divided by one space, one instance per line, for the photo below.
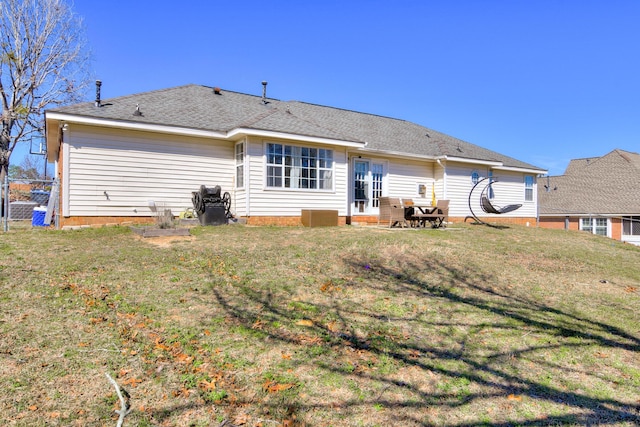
203 108
607 185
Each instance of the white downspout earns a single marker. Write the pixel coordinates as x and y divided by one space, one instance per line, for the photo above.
444 178
66 165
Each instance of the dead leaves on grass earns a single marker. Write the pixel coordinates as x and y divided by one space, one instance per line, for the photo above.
304 322
272 386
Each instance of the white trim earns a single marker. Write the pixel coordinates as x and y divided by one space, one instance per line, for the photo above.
238 132
293 137
265 156
242 142
231 135
66 186
136 126
397 154
473 161
523 170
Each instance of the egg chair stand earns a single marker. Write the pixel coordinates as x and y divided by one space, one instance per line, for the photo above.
485 203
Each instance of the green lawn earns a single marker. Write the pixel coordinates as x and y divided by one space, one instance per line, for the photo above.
348 326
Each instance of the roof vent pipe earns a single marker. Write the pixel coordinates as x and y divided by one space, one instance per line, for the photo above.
264 91
98 84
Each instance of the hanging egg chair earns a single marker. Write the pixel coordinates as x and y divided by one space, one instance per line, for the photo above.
485 202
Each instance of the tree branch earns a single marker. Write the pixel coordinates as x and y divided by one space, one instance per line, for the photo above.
125 407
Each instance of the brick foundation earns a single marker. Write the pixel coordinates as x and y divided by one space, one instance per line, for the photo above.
284 221
99 221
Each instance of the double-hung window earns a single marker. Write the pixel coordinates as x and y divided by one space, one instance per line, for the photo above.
291 166
528 188
594 225
239 165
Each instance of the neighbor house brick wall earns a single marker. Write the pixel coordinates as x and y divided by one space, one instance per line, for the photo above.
616 228
529 222
558 223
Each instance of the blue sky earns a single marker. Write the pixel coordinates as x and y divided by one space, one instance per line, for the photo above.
541 81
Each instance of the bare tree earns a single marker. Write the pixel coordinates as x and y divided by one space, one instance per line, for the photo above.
44 62
29 168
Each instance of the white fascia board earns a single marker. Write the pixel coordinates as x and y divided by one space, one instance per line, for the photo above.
396 154
525 170
135 126
493 164
282 135
231 135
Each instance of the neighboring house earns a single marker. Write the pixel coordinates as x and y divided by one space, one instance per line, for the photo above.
600 195
275 159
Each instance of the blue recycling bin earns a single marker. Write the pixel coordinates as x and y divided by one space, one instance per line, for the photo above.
38 217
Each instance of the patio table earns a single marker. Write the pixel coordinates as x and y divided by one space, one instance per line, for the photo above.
418 212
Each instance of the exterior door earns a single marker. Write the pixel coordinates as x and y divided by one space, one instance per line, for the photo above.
367 186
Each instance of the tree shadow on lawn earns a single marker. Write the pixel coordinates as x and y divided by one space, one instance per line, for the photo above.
491 374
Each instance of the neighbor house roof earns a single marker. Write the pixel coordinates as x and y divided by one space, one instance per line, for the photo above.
226 114
607 185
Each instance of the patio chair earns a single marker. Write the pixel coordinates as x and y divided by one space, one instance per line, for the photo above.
410 212
391 212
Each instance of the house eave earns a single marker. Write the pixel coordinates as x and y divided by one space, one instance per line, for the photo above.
242 132
395 154
92 121
233 134
525 170
490 163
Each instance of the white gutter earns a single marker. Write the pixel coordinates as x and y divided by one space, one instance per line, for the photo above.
493 164
282 135
515 169
178 130
65 187
444 178
134 126
397 154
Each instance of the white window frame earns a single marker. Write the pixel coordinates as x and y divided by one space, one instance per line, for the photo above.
299 168
375 185
240 158
529 181
594 225
631 226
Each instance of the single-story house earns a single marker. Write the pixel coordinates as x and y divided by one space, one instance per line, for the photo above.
599 195
275 158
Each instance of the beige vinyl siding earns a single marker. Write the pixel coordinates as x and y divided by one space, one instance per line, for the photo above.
116 172
404 177
289 202
509 190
